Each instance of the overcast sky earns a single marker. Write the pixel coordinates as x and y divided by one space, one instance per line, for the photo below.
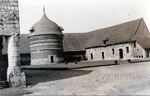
83 15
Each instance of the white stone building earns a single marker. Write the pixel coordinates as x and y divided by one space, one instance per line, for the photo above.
127 41
123 51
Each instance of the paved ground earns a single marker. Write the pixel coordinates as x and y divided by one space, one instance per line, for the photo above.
127 79
77 65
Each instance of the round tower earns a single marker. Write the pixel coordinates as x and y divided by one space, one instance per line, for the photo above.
46 42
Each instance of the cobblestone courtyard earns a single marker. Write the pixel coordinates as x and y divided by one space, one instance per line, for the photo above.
127 79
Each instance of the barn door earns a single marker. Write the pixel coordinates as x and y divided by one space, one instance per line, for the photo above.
121 53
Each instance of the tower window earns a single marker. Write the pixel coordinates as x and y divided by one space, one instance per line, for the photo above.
32 30
52 59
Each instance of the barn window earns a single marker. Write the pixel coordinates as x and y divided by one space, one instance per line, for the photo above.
134 44
127 49
147 54
104 41
91 56
103 55
113 51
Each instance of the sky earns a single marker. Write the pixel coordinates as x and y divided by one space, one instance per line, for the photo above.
83 15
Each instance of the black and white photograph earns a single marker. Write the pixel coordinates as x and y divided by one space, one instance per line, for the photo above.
74 47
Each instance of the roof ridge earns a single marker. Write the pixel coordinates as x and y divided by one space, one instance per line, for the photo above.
116 24
134 33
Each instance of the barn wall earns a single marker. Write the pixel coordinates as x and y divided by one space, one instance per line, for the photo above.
109 55
138 51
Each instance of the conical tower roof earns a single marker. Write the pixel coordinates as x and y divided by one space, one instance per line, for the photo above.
46 26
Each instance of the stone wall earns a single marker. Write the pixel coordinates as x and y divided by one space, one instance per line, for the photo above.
46 49
138 51
112 52
17 78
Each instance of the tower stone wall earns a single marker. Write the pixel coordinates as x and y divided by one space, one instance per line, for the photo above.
46 42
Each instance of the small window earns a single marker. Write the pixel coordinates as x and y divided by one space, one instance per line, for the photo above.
134 44
91 56
32 30
103 56
104 41
113 51
52 59
127 48
147 54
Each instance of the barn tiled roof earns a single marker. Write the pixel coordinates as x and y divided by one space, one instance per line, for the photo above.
143 35
115 34
75 41
135 30
130 31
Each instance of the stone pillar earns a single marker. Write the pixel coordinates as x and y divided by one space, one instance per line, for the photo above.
15 76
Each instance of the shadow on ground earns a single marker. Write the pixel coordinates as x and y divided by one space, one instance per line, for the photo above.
14 92
38 76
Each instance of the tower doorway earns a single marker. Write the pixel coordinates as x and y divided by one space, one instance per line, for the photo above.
121 53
